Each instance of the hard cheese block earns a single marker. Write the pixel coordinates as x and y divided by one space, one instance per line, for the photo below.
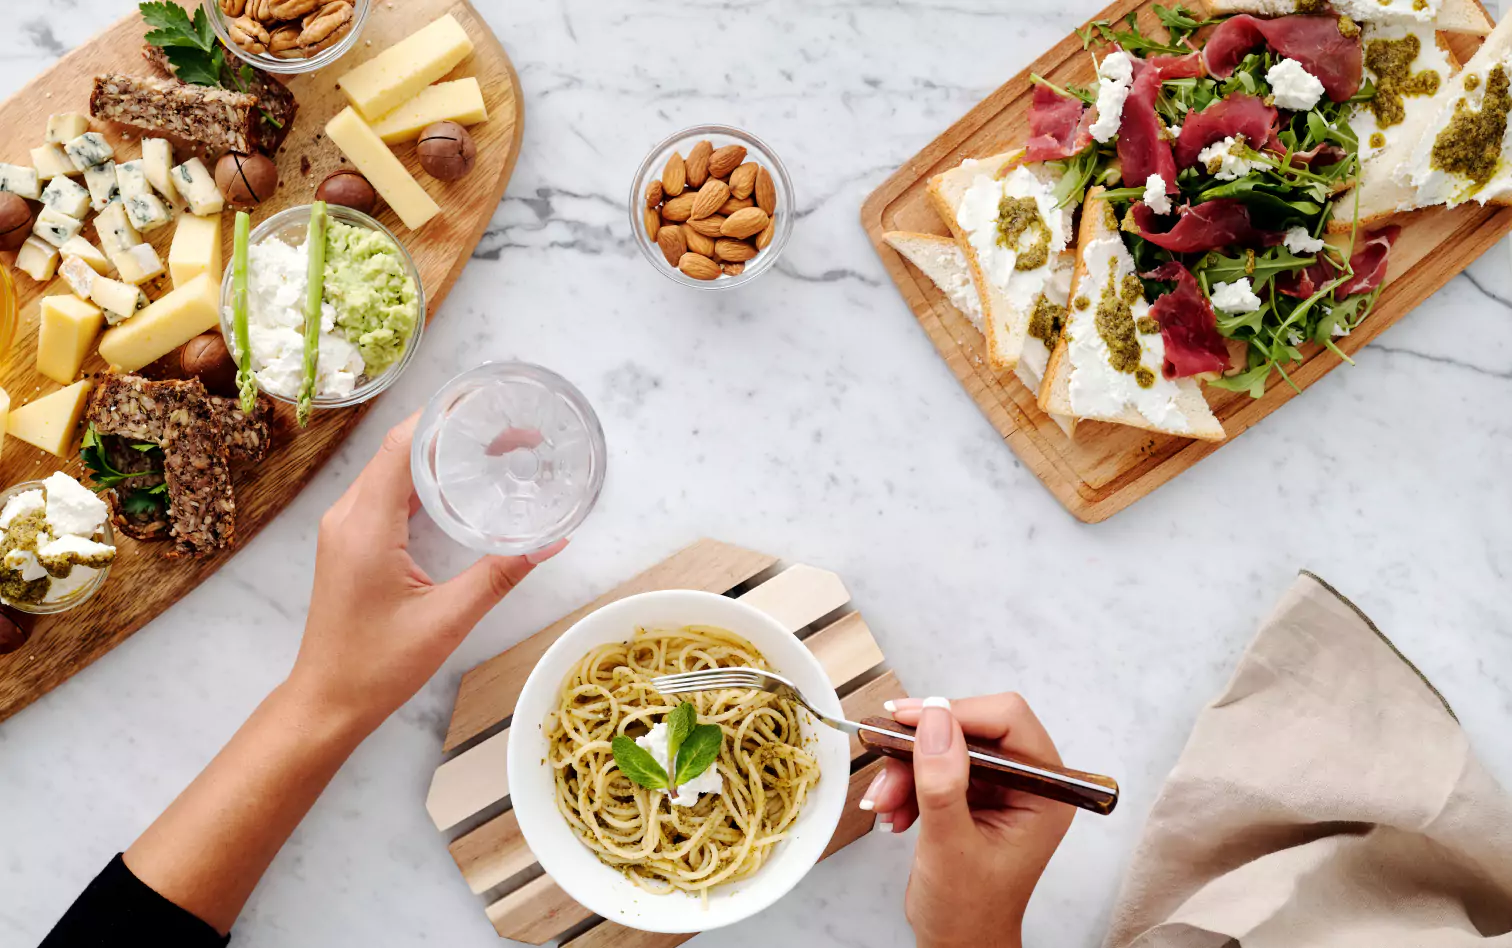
50 421
460 101
397 74
196 249
386 173
163 326
4 414
68 328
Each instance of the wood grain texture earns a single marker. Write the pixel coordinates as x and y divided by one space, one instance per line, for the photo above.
536 913
142 584
1107 467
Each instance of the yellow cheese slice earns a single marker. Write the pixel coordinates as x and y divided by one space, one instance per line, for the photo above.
4 415
196 249
460 101
68 328
163 326
385 172
50 421
397 74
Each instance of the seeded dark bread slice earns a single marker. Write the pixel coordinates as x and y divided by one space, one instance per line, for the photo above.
276 106
219 119
1455 16
1055 395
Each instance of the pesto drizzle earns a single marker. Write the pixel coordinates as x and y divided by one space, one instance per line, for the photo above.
1471 144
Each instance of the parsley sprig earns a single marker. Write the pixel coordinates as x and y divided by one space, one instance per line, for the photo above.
104 475
193 49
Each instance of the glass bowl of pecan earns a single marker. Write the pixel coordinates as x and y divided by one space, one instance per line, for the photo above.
288 36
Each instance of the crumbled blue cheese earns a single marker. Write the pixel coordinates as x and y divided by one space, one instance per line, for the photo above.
116 232
103 187
119 300
1115 77
87 252
89 150
57 229
1155 196
147 212
1236 297
66 196
38 259
1293 87
64 127
79 276
157 164
196 186
1300 241
1227 160
21 181
138 264
50 162
131 177
655 744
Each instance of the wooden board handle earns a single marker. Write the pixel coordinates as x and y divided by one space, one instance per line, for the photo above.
1092 792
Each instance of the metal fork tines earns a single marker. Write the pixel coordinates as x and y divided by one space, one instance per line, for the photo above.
744 679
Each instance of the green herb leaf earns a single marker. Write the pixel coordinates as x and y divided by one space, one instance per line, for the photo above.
698 752
637 763
102 474
195 66
143 503
680 724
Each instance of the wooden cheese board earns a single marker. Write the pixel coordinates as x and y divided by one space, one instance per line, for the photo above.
469 794
1105 468
143 583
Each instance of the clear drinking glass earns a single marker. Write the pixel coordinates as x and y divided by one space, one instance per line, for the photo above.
508 458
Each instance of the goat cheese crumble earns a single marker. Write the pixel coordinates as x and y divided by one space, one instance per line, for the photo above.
1115 77
655 744
1236 297
1155 196
1227 160
1301 242
1293 87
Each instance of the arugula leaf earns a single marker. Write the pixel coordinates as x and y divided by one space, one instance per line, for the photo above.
636 763
680 724
1261 268
698 752
1068 90
1132 40
1180 22
1092 165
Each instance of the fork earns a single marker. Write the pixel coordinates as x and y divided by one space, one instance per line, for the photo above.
1092 792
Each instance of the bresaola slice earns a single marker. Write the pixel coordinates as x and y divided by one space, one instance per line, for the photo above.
1142 148
1189 66
1238 114
1206 226
1188 326
1060 125
1369 264
1314 41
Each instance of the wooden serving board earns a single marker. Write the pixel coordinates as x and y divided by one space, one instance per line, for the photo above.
142 583
1107 467
469 794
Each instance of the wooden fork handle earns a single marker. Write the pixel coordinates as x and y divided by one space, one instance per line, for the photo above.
1092 792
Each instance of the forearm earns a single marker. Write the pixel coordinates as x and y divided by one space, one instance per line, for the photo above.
210 847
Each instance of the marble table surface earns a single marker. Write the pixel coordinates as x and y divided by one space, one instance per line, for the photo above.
805 415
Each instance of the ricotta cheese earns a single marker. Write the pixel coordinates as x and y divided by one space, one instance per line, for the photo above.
1300 241
1226 160
1437 186
1423 11
23 503
1417 109
58 524
978 216
1293 87
958 287
1236 297
72 508
655 744
1115 76
1155 196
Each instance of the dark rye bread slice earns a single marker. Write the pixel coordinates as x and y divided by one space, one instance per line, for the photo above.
218 119
276 106
246 437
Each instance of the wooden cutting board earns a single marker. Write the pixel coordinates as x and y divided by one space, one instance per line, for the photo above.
142 583
1108 467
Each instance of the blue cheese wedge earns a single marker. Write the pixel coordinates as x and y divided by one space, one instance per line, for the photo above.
87 252
120 301
56 228
89 150
147 212
197 187
157 163
102 184
79 276
64 127
50 162
131 177
21 181
138 264
64 195
38 259
115 230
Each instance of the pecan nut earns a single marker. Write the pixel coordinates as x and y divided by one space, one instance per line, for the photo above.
326 26
249 35
283 43
291 9
233 8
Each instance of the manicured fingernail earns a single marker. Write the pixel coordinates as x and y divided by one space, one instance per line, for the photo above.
889 706
542 555
869 799
902 704
933 735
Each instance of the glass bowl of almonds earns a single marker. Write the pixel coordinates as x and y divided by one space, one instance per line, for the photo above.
288 36
712 207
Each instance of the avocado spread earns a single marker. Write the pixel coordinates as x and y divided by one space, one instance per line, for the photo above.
1391 61
1047 320
377 306
1115 322
1471 144
1018 216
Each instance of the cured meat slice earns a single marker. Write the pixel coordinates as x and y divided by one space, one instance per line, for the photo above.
1188 326
1238 114
1142 148
1315 41
1369 264
1206 226
1320 155
1189 66
1060 125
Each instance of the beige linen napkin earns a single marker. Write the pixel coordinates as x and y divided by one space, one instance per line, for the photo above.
1327 799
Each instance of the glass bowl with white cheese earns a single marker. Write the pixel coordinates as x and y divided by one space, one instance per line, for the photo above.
371 323
296 59
81 523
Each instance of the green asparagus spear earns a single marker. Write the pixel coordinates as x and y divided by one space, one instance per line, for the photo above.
245 383
315 292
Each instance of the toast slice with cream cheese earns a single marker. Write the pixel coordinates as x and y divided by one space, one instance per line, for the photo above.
1451 16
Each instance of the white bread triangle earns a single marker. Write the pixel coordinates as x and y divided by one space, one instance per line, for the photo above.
944 262
1055 394
1454 16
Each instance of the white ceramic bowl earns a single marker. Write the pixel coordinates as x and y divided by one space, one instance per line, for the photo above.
573 865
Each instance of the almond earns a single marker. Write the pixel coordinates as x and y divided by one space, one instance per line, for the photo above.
654 193
735 204
699 267
708 226
698 243
675 175
732 269
743 180
725 160
746 222
766 192
735 251
672 242
678 209
653 222
698 163
764 239
709 198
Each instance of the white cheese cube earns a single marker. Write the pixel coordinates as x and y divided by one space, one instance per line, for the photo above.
65 127
38 259
56 228
87 252
147 212
66 196
50 162
131 176
157 162
89 150
196 186
103 188
21 181
115 230
138 264
79 276
118 300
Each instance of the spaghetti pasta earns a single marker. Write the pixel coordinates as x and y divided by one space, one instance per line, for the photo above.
766 772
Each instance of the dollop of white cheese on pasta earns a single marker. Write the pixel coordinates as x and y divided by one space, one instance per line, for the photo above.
655 744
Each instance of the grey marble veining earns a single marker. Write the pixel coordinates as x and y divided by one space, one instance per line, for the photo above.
809 416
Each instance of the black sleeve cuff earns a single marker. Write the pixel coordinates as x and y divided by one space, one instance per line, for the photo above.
120 909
